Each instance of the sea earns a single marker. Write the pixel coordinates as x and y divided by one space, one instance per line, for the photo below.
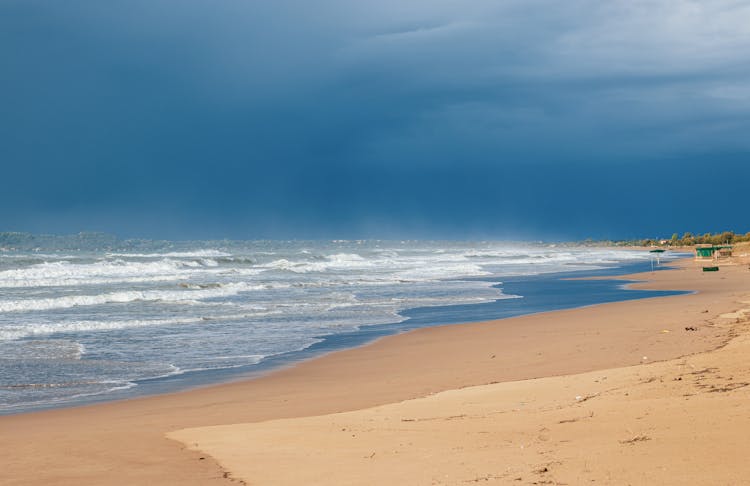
81 325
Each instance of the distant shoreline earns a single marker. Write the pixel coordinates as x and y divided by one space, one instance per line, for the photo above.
24 241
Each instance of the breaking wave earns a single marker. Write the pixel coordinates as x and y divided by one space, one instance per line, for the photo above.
124 297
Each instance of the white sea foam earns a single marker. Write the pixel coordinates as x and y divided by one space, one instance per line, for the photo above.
41 349
175 254
39 329
65 273
339 261
18 331
103 272
175 296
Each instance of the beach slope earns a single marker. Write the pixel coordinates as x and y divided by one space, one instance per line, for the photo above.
681 421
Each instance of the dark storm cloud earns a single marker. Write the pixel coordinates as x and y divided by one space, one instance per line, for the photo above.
248 119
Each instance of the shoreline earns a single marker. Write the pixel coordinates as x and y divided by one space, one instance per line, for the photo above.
569 288
114 436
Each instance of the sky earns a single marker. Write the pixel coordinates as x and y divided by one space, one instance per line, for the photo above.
528 119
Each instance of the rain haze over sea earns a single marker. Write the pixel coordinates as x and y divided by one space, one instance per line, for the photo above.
82 323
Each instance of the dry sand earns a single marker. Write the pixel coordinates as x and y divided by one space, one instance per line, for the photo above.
578 396
683 421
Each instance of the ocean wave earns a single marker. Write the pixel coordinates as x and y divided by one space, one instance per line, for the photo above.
175 254
65 273
36 349
177 296
339 261
11 332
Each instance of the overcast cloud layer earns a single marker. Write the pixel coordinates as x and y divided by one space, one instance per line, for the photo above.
247 119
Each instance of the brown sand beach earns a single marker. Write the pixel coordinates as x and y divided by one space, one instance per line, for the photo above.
641 392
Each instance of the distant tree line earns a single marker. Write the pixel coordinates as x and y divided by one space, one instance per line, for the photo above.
689 239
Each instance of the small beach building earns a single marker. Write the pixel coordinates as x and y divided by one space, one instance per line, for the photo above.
724 251
710 252
704 251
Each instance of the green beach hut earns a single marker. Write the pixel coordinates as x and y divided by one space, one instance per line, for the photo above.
703 252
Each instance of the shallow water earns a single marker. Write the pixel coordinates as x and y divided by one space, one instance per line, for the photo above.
77 326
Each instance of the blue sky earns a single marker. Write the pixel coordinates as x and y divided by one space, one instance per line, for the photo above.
342 119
